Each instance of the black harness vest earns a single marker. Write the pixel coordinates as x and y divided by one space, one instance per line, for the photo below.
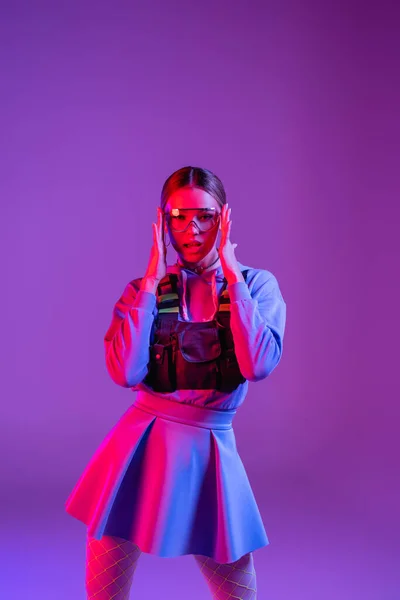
191 355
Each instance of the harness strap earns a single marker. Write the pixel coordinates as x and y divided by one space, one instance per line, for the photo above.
168 297
167 294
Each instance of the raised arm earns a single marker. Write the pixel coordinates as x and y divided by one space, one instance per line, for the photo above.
127 340
258 317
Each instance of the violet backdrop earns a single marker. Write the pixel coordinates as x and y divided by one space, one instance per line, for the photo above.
295 106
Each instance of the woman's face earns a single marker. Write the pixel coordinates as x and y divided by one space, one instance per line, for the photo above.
192 198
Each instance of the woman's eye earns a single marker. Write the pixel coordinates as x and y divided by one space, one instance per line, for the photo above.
205 217
178 217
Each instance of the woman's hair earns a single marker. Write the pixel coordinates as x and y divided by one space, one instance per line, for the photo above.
194 177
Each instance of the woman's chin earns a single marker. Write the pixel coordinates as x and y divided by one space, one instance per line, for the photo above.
192 254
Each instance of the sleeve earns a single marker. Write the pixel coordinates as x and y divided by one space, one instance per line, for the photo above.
258 318
127 340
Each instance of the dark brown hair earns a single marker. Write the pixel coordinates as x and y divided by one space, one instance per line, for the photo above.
194 177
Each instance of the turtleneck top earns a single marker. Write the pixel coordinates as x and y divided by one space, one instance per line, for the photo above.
258 318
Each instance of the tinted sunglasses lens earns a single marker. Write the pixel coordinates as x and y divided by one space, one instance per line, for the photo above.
207 221
204 221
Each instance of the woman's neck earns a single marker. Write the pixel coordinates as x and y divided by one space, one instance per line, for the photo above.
201 265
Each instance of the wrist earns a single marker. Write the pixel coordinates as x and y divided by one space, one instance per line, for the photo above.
235 278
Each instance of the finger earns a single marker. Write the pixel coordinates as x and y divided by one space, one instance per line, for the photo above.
221 217
160 224
224 219
159 218
158 232
223 214
157 221
224 237
156 226
223 228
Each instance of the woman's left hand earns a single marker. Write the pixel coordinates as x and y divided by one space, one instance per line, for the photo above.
227 256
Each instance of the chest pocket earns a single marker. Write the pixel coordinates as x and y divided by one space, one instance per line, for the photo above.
199 343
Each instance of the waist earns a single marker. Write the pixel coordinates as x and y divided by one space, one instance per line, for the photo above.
184 413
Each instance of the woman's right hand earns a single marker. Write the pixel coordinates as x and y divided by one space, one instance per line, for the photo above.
157 267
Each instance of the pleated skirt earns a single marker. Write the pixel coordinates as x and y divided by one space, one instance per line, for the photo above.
169 478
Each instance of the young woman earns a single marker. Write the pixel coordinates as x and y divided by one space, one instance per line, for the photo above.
188 337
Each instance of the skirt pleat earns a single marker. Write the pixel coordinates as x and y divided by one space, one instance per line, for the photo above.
169 478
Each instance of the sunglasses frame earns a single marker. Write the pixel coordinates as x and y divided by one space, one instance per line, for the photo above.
176 211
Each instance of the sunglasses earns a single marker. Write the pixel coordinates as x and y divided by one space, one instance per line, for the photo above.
179 219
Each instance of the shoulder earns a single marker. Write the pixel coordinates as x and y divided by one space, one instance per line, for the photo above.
131 288
129 293
134 284
260 280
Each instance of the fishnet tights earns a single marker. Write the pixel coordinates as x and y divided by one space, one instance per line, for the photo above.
110 565
230 580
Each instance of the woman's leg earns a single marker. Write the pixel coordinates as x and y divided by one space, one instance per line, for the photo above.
110 565
229 580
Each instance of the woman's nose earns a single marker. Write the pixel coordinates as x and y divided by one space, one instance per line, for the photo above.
191 226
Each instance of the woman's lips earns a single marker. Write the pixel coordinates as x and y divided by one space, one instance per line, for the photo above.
192 244
193 249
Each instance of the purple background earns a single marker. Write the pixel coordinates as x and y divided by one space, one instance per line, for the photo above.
296 107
